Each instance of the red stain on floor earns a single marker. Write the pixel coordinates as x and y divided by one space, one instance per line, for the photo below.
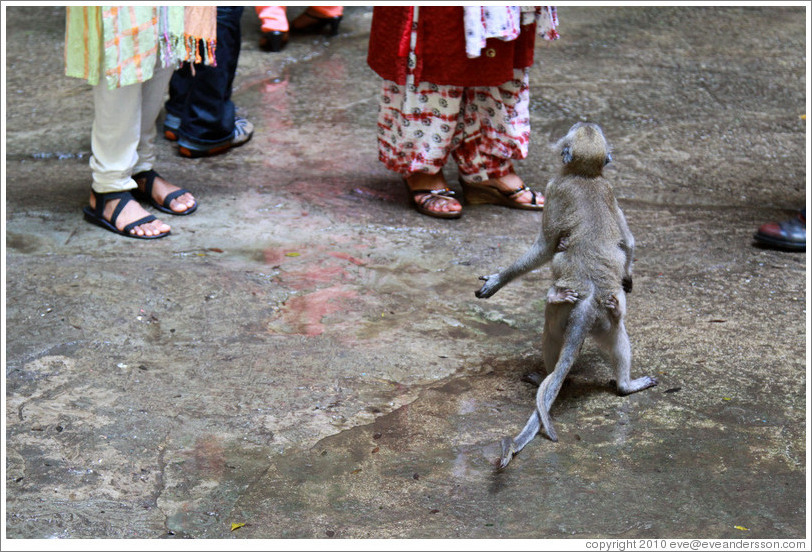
346 257
313 276
278 256
304 313
207 456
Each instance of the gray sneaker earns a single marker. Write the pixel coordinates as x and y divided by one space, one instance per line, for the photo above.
243 131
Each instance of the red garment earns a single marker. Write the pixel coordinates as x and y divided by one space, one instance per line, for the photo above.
440 49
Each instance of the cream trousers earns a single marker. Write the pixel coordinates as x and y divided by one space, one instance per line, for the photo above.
122 140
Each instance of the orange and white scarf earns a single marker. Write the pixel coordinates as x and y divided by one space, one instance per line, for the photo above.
123 44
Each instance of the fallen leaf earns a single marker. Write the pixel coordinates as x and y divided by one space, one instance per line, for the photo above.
235 526
292 254
740 528
356 471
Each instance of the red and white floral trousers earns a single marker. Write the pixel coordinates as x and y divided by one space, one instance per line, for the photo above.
482 128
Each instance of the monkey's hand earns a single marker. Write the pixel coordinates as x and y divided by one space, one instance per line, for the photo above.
492 285
561 295
613 306
627 284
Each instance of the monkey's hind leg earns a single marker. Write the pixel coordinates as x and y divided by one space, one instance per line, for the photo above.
619 348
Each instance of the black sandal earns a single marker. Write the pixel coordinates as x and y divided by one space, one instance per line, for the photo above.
317 24
432 196
96 215
146 194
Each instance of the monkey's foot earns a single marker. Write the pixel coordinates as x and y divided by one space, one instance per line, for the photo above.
561 295
533 377
491 286
508 452
636 385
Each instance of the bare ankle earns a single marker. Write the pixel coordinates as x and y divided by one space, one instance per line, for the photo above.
426 181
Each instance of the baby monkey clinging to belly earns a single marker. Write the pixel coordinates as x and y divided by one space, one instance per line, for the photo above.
585 235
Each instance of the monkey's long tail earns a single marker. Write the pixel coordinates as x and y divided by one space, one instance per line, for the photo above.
510 447
580 321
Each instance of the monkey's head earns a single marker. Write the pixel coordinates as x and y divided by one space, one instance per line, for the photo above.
584 150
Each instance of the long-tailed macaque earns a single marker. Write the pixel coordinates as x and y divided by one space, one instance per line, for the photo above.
585 235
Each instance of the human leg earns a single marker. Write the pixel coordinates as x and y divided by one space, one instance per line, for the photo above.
175 106
416 125
494 130
163 195
115 138
274 27
207 111
210 125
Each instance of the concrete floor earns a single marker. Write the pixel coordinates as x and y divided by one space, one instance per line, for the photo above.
305 355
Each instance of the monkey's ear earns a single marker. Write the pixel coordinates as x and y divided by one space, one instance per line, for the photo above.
566 155
608 159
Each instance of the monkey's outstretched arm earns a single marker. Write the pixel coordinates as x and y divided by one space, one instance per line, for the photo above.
539 253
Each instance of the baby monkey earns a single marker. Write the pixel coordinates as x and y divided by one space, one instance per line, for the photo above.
585 235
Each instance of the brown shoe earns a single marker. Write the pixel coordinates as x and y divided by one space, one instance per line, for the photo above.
788 234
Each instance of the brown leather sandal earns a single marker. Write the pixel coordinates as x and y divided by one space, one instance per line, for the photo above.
482 194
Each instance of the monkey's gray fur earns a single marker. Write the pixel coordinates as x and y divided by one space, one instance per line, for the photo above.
585 235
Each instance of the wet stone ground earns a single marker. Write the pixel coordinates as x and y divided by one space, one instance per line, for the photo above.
305 355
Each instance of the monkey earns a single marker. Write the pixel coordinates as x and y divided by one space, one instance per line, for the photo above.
586 238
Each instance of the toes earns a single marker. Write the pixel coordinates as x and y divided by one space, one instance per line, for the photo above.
439 204
188 199
182 203
178 206
154 228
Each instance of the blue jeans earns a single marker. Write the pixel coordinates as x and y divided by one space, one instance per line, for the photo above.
203 101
